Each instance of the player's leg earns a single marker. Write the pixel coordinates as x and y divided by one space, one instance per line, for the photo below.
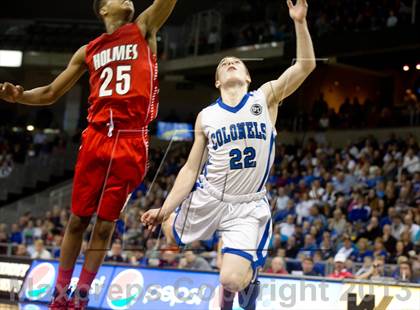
246 234
86 190
95 254
236 272
125 170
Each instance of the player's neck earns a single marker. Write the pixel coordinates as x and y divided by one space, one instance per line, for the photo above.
112 25
233 95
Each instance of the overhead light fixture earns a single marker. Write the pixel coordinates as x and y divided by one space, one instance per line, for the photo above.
30 128
418 67
406 68
11 59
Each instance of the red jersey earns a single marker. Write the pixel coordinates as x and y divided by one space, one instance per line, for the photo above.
123 79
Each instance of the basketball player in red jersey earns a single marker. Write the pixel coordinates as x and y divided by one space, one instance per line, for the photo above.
112 159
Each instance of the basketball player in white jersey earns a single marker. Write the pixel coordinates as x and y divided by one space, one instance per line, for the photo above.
235 138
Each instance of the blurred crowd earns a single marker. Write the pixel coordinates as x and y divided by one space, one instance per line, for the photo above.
352 212
249 22
354 114
18 145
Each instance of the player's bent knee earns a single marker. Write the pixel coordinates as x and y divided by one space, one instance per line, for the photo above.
77 224
233 282
104 229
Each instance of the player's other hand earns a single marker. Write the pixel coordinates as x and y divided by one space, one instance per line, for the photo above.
152 218
298 11
10 93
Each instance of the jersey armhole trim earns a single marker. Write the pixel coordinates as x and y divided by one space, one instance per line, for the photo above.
144 39
267 109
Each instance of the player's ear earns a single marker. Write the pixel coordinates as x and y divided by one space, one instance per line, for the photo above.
248 79
217 84
103 11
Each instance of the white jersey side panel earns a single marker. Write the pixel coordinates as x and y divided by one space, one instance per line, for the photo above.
240 145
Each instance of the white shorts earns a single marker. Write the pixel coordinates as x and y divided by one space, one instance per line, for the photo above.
244 222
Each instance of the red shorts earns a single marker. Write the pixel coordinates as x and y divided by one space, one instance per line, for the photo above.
108 169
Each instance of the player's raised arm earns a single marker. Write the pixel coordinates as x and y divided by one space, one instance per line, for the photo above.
185 180
294 76
153 18
47 95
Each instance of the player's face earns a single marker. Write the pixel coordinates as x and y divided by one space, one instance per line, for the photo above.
123 8
232 70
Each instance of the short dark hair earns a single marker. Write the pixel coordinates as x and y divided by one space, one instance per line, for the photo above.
97 6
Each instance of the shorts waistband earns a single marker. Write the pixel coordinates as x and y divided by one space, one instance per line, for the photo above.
232 198
120 131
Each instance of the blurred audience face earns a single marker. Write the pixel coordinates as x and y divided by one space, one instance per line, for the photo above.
190 256
169 256
21 250
307 265
405 271
116 249
277 264
39 246
387 230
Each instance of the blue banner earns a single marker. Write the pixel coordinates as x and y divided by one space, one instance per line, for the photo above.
175 131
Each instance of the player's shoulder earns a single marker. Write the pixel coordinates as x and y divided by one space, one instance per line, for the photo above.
211 107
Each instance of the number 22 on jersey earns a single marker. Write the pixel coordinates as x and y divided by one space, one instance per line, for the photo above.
122 76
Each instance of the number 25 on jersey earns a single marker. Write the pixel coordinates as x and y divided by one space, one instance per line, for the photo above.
122 76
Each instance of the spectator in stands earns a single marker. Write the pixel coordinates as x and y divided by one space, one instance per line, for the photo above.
277 266
326 246
58 239
138 258
303 207
292 248
376 272
411 161
405 272
392 20
411 227
282 214
287 229
342 183
366 267
379 248
397 227
116 253
21 251
16 235
282 200
338 223
39 251
309 246
168 259
348 249
362 250
340 271
308 267
399 252
194 262
3 243
373 230
389 241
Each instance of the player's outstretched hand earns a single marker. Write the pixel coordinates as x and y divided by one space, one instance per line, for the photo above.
298 11
152 218
10 93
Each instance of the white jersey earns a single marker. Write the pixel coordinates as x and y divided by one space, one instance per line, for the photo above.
241 143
